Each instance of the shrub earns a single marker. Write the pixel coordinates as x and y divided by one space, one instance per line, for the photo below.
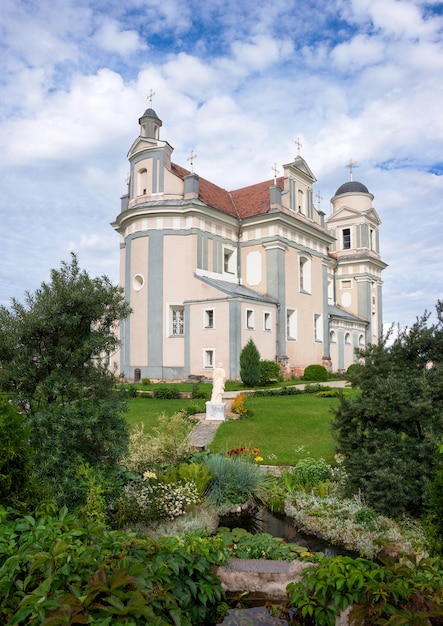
146 381
169 392
250 364
310 472
397 593
199 394
316 372
15 457
269 372
54 571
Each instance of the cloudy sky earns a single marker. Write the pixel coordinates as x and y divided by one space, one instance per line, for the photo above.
238 83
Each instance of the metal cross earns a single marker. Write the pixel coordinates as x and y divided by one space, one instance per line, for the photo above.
274 168
127 180
351 165
191 159
319 198
299 145
150 95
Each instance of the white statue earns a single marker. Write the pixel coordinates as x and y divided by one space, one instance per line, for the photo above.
218 383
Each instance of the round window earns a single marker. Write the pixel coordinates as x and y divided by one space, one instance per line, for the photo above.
138 282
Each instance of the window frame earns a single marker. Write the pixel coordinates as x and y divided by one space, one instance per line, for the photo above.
209 318
173 310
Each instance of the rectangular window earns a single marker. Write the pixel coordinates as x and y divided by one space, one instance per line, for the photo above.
291 324
266 321
346 238
318 327
209 318
208 358
177 320
345 284
250 319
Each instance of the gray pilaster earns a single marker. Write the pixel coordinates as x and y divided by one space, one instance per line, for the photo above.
155 305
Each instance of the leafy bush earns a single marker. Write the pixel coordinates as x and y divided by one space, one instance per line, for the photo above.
315 388
197 473
244 545
146 381
310 472
169 392
269 372
284 391
16 486
316 372
235 481
197 393
53 571
407 592
250 364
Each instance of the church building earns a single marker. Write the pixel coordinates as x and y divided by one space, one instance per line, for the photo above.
205 269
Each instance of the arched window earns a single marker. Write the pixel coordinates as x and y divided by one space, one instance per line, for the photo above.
301 201
142 182
304 267
361 341
332 336
348 339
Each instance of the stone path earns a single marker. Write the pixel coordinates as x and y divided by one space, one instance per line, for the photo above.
204 432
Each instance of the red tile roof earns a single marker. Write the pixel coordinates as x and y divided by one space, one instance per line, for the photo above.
243 202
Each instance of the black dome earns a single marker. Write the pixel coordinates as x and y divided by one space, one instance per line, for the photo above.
352 186
150 113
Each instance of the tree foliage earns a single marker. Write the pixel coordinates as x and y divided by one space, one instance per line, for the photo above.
53 350
389 434
52 345
250 364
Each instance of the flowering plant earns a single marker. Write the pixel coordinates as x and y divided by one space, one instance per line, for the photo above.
248 453
238 406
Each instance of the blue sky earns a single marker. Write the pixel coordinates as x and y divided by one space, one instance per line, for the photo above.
238 83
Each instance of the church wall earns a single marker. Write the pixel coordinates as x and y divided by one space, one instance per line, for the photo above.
304 349
252 323
360 202
179 253
204 339
138 298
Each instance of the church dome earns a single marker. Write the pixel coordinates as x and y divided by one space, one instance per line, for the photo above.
352 186
150 113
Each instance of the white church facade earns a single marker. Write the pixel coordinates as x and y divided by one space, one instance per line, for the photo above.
205 269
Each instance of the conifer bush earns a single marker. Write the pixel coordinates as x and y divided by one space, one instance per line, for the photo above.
250 364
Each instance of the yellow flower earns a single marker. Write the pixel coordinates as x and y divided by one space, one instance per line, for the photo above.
258 459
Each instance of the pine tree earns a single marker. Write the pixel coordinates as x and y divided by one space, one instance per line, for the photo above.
250 364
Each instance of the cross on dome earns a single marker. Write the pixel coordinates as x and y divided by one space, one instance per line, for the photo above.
149 97
351 164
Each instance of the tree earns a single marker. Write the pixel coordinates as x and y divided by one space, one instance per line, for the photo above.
389 434
53 351
250 364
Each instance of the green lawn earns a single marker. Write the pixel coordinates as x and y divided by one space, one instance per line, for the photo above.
285 429
146 410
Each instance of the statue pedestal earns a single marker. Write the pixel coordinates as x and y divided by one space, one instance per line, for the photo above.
216 411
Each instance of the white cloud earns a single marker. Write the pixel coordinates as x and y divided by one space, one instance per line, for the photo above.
111 38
